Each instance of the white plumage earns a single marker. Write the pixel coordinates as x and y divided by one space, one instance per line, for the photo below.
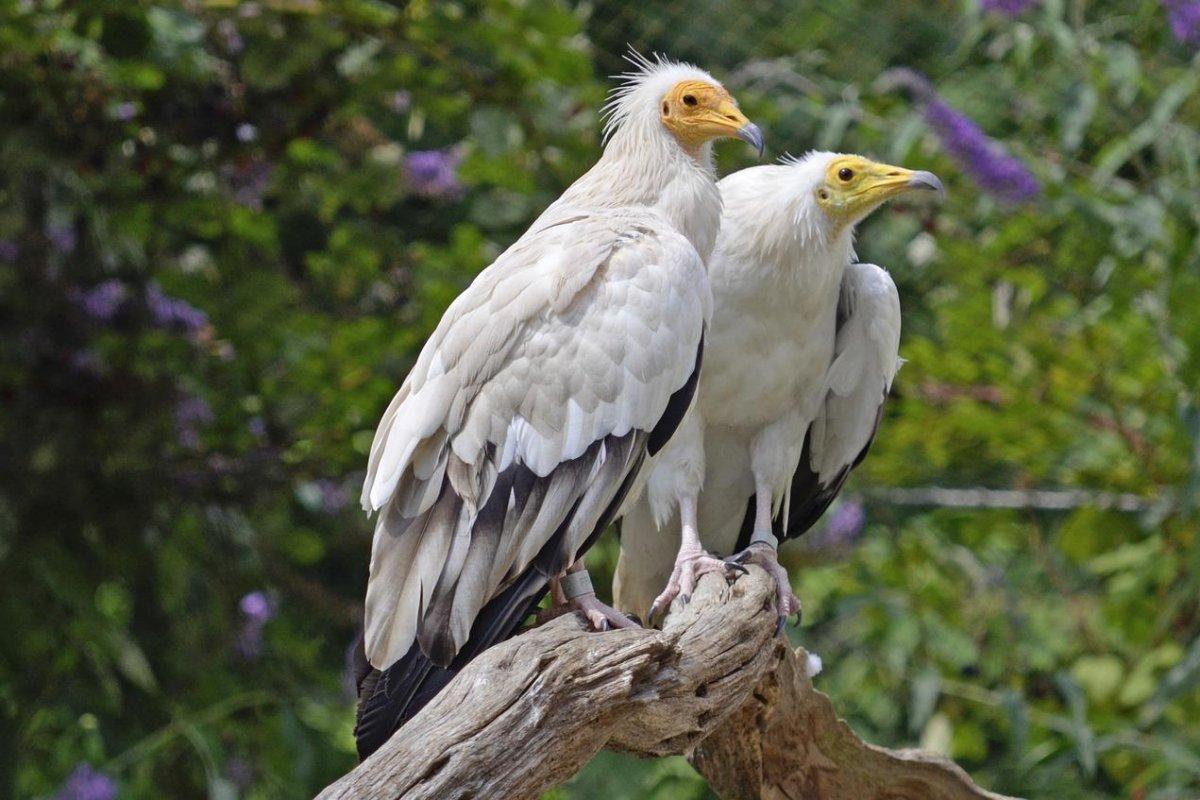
798 360
528 413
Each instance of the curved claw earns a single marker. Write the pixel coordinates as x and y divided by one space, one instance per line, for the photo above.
735 566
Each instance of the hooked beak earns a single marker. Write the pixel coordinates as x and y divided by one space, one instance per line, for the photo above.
730 121
927 180
884 182
750 133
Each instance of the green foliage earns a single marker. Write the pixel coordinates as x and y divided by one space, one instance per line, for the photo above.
219 254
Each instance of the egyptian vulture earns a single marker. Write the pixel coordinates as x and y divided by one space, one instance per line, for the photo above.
535 403
798 361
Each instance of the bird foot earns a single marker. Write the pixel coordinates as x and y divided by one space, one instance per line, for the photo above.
690 564
600 616
767 557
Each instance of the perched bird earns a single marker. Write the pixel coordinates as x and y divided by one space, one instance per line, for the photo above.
799 359
535 403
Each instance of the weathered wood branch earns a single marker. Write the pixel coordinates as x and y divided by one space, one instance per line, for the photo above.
713 684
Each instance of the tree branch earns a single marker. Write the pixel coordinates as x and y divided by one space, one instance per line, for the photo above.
528 714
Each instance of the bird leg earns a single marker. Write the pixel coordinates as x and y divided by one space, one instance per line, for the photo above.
764 551
573 591
690 563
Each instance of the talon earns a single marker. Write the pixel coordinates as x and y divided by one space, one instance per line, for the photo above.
600 616
779 625
734 566
690 564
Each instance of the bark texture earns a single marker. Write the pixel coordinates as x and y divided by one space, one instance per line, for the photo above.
714 685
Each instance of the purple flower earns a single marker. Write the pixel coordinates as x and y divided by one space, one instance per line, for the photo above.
334 496
980 157
170 312
250 641
62 238
9 251
1009 8
87 783
257 607
103 301
246 132
257 427
844 525
432 173
125 111
1184 17
191 414
257 610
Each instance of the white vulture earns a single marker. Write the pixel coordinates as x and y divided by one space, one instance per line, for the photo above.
533 407
798 361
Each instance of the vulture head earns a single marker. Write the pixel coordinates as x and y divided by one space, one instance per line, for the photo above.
850 187
684 101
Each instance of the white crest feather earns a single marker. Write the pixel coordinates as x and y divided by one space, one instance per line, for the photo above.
643 86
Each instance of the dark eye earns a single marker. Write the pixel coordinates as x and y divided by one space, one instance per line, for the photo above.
666 109
689 100
845 173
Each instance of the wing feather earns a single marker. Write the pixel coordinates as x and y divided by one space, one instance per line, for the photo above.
865 361
522 418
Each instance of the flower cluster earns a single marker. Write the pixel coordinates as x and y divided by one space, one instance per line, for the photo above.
103 301
433 173
982 158
843 526
87 783
257 610
1184 18
1009 8
170 312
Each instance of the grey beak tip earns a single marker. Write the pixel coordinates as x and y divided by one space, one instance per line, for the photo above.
750 133
927 180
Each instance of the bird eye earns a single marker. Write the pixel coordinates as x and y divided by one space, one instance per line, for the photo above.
845 173
689 100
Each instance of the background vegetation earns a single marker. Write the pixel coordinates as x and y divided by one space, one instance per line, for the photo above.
227 227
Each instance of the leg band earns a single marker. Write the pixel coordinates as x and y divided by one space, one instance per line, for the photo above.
765 537
575 584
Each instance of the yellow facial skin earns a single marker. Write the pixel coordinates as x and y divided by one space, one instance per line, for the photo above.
855 186
696 112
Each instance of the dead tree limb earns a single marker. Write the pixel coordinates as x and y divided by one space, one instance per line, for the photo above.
713 684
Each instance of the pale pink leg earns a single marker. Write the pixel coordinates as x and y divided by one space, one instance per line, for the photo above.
690 563
763 551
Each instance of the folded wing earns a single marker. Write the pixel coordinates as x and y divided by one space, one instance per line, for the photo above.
865 360
524 419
